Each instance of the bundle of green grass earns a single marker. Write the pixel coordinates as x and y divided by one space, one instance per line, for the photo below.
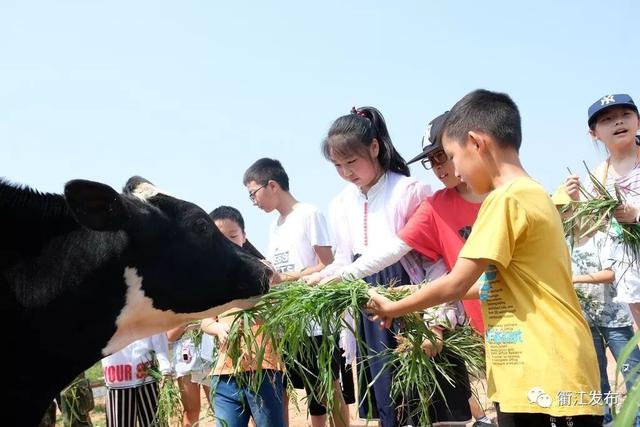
595 212
285 313
169 398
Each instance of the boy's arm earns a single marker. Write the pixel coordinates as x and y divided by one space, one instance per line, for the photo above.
323 245
159 343
212 326
605 277
447 288
175 333
607 255
473 292
325 257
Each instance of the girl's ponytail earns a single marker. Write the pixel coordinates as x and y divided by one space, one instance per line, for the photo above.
388 156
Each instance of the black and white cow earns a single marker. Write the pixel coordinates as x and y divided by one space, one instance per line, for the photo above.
83 275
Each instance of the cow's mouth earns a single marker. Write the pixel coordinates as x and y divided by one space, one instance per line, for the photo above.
265 284
255 274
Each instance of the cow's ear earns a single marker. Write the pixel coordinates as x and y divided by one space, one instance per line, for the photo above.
96 206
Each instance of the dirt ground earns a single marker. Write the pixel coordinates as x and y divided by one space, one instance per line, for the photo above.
298 418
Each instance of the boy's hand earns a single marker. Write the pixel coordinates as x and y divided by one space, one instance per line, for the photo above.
402 288
191 327
312 279
166 377
331 279
379 308
572 184
626 214
222 333
282 277
429 348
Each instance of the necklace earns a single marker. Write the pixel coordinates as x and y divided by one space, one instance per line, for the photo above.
606 169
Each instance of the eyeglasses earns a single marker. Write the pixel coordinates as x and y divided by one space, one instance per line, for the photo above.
252 194
436 159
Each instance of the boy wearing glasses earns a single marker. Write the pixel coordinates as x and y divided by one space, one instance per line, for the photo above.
299 241
299 244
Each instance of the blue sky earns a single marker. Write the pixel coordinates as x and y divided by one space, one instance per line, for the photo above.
188 94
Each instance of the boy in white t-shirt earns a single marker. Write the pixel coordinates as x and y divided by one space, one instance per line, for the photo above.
299 244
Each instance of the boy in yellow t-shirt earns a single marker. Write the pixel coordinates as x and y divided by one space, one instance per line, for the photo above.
541 363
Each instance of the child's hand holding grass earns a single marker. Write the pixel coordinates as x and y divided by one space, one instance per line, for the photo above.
601 209
626 214
312 279
572 185
407 289
220 330
334 278
379 309
432 348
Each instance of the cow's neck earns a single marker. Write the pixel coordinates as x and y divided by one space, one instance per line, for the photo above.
133 322
75 263
27 217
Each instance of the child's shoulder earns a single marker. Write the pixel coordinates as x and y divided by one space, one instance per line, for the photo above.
406 187
523 187
395 179
525 193
349 191
307 208
443 195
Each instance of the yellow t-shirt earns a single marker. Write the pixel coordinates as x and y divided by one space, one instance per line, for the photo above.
540 354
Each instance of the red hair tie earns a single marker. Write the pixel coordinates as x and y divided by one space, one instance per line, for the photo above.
355 111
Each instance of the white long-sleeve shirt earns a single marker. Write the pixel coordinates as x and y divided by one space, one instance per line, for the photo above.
360 222
127 367
376 259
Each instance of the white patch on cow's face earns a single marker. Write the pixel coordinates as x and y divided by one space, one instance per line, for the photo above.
145 191
138 318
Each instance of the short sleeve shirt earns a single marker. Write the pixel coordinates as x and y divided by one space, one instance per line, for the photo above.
438 229
540 355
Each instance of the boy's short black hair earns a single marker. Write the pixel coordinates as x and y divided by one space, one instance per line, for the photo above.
233 214
493 113
265 170
228 212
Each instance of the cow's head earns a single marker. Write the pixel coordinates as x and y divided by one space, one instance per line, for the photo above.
175 255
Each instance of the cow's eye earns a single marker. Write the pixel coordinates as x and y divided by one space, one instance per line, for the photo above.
201 226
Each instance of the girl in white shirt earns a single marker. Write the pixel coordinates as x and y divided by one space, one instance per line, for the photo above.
375 205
